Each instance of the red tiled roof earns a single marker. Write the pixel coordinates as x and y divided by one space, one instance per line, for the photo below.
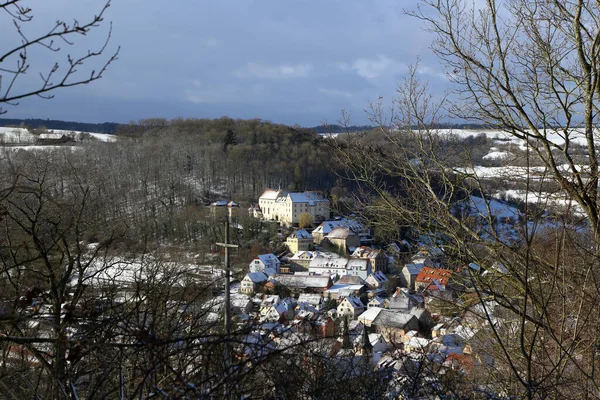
427 275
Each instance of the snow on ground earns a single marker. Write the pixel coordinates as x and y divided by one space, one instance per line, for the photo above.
513 172
576 136
541 198
497 155
118 270
22 135
40 148
497 208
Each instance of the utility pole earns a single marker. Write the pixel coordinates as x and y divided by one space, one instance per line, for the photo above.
227 246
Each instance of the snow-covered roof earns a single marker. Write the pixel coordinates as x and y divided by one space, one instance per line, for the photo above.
350 280
414 269
358 264
393 319
328 262
370 314
366 252
340 232
376 300
304 254
303 281
307 197
379 277
270 194
310 298
257 277
269 259
300 234
354 302
327 226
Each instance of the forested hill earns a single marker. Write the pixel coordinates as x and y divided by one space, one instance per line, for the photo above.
237 158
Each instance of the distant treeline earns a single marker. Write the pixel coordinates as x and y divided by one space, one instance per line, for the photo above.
112 127
105 127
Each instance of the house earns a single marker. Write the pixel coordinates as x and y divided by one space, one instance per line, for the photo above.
327 264
252 281
312 299
315 325
350 280
343 238
417 344
369 315
299 240
378 302
378 343
286 207
394 325
410 273
326 227
377 258
402 300
437 276
350 306
376 280
267 263
302 259
223 208
241 304
279 312
254 211
339 291
304 283
424 317
330 265
358 267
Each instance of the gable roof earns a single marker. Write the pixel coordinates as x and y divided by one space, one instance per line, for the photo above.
378 276
366 252
350 280
270 194
354 302
340 232
310 298
307 197
370 314
328 226
257 277
300 234
328 262
414 269
392 319
303 281
268 259
428 275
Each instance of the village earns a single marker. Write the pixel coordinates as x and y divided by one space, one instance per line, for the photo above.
396 308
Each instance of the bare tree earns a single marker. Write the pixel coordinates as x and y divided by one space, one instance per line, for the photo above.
535 310
530 68
16 55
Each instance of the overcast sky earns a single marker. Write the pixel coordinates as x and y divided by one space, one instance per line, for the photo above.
284 61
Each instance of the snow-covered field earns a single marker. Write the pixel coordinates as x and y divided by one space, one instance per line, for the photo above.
11 135
555 136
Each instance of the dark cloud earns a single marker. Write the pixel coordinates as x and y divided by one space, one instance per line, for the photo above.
291 62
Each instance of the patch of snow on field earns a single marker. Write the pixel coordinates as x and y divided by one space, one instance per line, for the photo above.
513 172
497 155
541 198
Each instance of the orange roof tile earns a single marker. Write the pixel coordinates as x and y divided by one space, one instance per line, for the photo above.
427 275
